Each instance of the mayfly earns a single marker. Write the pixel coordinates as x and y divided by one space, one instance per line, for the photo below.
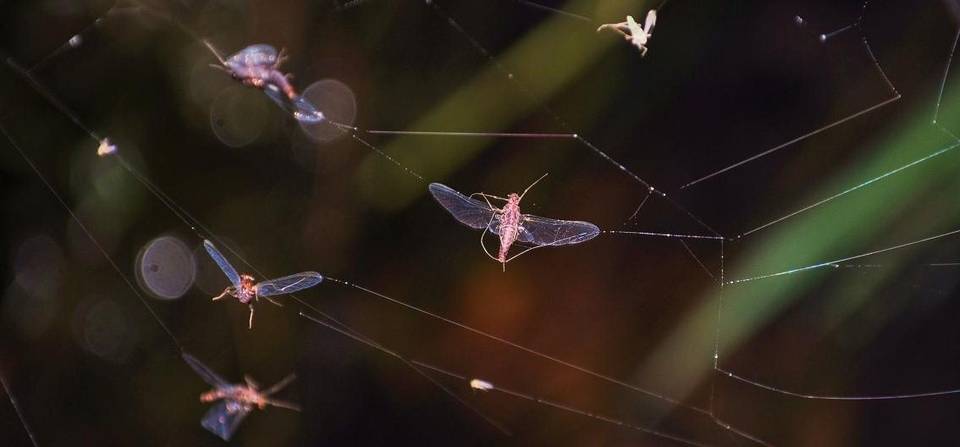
259 66
633 33
243 288
234 401
509 224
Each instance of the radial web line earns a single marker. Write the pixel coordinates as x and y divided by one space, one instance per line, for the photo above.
835 263
19 411
876 63
853 188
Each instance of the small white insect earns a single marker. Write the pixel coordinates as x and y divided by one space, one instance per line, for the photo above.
481 385
632 31
106 148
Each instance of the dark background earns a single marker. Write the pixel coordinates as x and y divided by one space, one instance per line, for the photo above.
722 81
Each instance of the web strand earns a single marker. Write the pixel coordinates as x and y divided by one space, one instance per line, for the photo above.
556 117
19 411
415 365
197 226
520 347
561 12
946 72
183 215
564 407
851 189
93 239
651 190
782 391
895 95
835 263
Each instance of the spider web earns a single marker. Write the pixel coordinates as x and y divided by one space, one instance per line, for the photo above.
845 212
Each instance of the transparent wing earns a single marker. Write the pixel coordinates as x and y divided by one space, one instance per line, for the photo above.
301 108
278 97
470 212
289 284
651 21
223 418
304 110
228 269
538 230
206 373
260 54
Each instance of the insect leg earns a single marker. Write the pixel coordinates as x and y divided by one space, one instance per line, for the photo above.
225 292
485 230
283 404
554 244
251 317
273 301
485 196
279 385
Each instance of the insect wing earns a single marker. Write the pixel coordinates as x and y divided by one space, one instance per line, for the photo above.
304 111
278 97
470 212
633 26
221 261
254 55
289 284
223 418
538 230
208 375
651 21
301 108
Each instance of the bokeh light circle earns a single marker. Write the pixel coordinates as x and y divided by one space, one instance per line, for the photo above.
337 102
166 268
239 115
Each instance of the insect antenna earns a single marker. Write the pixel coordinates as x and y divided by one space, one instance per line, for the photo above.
534 183
215 53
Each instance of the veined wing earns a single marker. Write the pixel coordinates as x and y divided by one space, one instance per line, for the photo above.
228 269
538 230
259 54
289 284
205 373
223 418
470 212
